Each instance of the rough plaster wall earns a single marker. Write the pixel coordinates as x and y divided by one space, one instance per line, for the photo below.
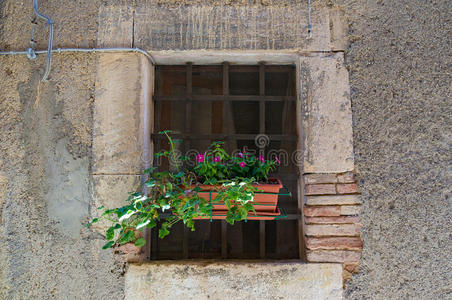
45 252
399 62
400 73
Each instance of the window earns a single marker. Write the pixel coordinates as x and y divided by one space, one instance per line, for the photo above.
249 107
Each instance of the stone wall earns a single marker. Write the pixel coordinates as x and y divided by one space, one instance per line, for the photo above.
400 93
233 280
332 220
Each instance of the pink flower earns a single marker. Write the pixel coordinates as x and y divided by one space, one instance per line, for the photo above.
240 155
242 164
216 159
261 159
277 161
200 158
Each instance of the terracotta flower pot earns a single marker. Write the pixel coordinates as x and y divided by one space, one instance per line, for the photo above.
265 199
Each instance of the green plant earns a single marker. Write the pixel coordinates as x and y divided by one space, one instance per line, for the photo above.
216 164
169 197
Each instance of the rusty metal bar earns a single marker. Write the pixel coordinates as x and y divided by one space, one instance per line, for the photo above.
226 97
273 137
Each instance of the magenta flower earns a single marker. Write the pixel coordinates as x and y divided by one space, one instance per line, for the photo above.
277 161
200 158
216 159
242 164
261 159
240 155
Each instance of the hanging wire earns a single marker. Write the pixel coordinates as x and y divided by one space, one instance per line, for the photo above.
31 52
309 19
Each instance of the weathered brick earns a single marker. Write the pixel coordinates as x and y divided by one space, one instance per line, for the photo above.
350 210
347 188
332 220
130 253
340 256
334 243
319 178
322 211
320 189
351 267
332 230
346 275
333 200
347 177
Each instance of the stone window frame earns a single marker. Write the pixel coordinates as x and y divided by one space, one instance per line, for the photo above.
327 186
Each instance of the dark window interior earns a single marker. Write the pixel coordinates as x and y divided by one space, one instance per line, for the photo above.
231 103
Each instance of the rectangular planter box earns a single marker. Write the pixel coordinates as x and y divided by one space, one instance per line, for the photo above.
265 200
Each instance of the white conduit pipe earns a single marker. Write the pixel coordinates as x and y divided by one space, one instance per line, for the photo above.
147 92
84 50
50 42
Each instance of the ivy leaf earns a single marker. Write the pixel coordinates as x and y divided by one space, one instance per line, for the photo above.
163 231
148 171
110 233
127 215
100 207
178 175
130 235
150 183
142 224
108 245
140 242
151 224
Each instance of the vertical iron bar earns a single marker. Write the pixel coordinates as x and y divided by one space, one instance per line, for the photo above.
262 148
189 93
224 228
262 101
225 92
262 239
224 239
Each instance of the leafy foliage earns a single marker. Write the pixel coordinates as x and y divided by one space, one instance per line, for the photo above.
169 197
216 165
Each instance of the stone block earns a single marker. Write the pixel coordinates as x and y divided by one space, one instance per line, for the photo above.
327 118
347 188
334 243
319 178
320 189
218 27
332 220
333 256
118 134
322 211
204 280
332 230
347 177
333 200
339 29
111 191
350 210
115 26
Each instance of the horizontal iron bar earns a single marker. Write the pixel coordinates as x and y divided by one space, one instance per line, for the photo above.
232 68
271 137
242 98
